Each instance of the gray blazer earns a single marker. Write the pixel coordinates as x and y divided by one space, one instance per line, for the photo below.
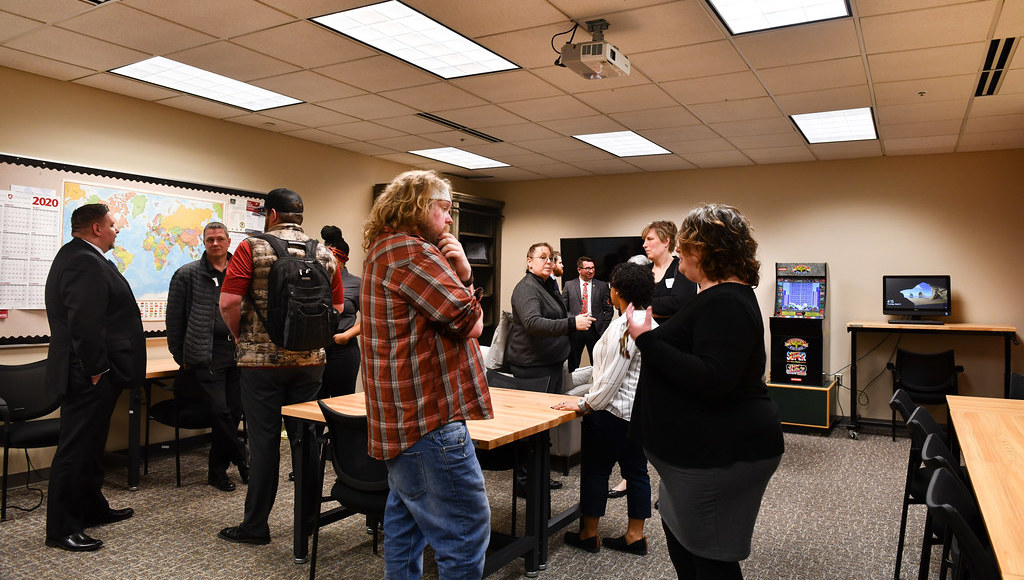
540 326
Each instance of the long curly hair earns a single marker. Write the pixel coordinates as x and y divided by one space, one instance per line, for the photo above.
723 237
403 205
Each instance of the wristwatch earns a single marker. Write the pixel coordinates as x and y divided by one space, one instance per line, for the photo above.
584 407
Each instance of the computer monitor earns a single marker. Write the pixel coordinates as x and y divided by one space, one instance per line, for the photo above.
916 296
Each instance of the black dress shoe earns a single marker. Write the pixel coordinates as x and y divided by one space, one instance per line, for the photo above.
243 472
221 482
76 542
110 517
588 545
555 484
638 547
614 493
236 535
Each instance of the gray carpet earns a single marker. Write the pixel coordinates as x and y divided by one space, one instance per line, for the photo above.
831 512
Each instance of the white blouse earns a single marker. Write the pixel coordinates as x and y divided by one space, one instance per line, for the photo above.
615 376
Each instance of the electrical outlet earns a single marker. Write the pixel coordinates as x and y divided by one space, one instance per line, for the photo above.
838 378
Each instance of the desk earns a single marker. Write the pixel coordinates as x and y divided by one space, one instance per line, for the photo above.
160 368
517 415
991 435
855 327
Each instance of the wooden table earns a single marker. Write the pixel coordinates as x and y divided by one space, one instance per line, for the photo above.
518 415
855 327
991 435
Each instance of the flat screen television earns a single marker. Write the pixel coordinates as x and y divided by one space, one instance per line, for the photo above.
914 297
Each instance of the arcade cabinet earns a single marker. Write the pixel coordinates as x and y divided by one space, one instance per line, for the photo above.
799 346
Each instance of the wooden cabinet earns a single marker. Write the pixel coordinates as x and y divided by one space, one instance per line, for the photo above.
478 227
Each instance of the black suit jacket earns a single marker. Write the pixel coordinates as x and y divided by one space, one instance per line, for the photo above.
94 319
600 302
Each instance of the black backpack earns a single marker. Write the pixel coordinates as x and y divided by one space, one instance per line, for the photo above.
300 309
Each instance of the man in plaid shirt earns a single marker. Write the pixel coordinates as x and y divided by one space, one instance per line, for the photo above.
423 378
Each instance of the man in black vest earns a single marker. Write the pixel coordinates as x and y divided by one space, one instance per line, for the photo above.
97 348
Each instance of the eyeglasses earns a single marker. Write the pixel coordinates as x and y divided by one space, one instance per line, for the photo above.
542 258
587 268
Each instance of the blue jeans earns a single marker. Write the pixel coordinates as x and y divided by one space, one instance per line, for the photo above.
437 497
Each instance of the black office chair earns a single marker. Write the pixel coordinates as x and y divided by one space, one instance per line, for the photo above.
916 483
186 409
926 378
361 486
1016 386
950 503
506 457
24 398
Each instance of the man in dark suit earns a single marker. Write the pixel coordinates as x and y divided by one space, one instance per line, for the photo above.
97 348
585 295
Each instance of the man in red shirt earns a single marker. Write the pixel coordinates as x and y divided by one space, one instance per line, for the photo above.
271 376
424 377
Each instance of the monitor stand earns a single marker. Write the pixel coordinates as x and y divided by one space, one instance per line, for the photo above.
916 320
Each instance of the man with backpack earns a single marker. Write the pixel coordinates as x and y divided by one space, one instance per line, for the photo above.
280 293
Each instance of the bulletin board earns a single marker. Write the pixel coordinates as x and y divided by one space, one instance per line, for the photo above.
160 222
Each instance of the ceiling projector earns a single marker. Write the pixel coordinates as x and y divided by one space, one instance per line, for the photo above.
596 59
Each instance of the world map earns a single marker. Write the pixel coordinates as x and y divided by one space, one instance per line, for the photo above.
158 233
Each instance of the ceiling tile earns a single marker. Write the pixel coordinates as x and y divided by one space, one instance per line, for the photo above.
922 129
583 125
475 117
718 159
995 123
662 26
549 108
740 85
135 29
572 83
517 85
368 107
921 145
406 143
852 97
410 124
309 115
847 149
607 167
201 106
936 111
518 132
761 108
946 25
814 76
556 147
1011 19
875 7
364 148
311 8
655 118
475 19
222 18
454 139
753 127
990 141
40 65
791 139
319 46
264 122
379 73
363 130
679 134
315 135
935 89
686 148
435 97
627 99
555 170
998 105
779 155
827 40
48 11
233 61
12 25
73 48
687 62
308 86
660 162
530 47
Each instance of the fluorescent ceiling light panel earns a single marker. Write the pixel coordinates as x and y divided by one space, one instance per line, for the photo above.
749 15
834 126
402 32
623 144
459 157
196 81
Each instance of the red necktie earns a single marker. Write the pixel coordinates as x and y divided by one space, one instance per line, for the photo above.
584 309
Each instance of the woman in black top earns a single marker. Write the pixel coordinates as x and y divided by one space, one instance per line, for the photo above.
342 366
672 290
702 411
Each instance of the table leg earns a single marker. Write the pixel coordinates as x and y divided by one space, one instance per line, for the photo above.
537 500
1006 366
307 497
134 431
854 425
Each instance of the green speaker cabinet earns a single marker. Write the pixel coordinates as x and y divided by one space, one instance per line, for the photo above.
804 405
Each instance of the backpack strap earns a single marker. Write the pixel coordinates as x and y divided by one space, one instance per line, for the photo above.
280 248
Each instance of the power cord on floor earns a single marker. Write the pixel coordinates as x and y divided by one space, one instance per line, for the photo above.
28 477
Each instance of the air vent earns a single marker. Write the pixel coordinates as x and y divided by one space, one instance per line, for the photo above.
458 127
1000 53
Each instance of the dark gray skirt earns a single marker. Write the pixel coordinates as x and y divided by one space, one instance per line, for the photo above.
711 511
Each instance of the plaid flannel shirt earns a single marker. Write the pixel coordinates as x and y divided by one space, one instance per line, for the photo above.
420 371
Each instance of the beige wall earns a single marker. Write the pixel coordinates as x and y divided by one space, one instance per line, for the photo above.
955 214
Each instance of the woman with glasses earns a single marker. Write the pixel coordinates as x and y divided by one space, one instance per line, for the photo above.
538 342
606 410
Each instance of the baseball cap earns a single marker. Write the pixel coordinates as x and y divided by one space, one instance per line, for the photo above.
283 201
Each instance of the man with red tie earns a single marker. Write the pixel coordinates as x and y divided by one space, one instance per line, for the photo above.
585 295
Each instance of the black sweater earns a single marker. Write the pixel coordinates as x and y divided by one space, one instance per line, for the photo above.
701 400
